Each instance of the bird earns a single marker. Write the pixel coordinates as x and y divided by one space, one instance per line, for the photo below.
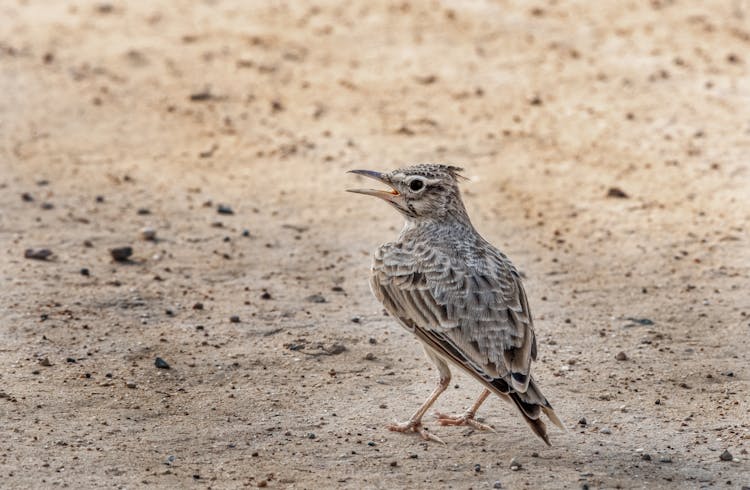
461 297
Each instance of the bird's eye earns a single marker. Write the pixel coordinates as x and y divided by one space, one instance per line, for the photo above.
416 185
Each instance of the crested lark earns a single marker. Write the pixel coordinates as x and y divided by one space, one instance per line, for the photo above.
460 296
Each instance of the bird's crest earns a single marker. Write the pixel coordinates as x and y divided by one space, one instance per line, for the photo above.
435 170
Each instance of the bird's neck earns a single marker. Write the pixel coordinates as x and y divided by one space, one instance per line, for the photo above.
448 225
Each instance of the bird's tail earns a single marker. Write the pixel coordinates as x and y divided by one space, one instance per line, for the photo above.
532 404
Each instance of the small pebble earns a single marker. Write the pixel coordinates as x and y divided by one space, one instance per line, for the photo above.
369 356
47 206
234 319
641 321
224 209
27 197
497 484
121 254
355 319
144 211
616 192
246 233
316 298
582 421
646 457
394 463
161 363
605 431
131 385
37 253
515 465
371 443
99 199
45 362
148 233
85 272
477 468
265 295
70 360
726 456
262 484
665 459
311 435
198 306
621 356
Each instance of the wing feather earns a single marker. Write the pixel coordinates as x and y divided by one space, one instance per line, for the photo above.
473 313
480 311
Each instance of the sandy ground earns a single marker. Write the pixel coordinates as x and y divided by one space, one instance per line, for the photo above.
124 115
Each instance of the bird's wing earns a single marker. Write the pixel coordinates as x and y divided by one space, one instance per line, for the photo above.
477 316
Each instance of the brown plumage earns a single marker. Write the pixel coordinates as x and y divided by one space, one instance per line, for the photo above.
459 295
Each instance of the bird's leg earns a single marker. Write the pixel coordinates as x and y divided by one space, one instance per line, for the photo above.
414 424
468 417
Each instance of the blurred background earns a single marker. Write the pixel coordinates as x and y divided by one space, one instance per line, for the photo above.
607 150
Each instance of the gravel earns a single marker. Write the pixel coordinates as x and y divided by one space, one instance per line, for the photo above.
121 254
161 363
37 253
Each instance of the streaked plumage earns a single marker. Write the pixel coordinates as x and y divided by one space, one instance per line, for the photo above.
459 295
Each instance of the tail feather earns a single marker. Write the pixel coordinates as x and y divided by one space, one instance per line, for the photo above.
552 416
531 404
534 395
537 426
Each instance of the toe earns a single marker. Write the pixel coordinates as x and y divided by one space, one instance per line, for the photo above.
427 436
479 426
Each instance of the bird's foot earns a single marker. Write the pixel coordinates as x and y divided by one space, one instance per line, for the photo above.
466 419
415 426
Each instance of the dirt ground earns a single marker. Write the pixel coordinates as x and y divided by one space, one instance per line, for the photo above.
607 149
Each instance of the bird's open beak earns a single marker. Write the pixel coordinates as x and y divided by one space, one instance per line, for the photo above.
388 195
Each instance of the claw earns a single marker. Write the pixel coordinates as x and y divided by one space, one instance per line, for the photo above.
465 419
415 426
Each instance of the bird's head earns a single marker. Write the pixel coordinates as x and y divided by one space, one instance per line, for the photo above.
420 192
